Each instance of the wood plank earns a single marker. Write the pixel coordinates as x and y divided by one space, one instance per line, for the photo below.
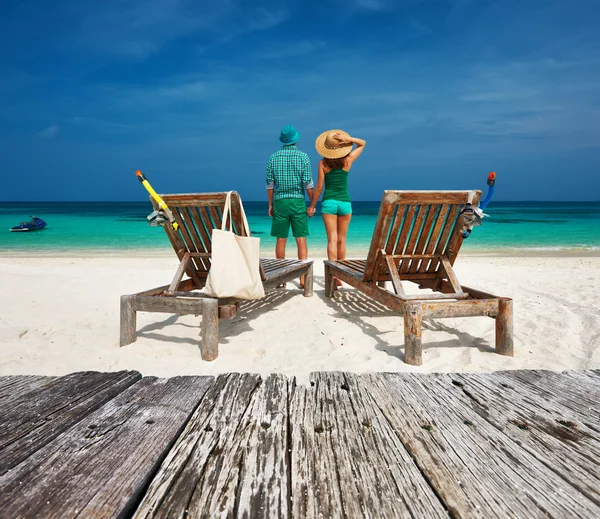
205 237
424 238
414 235
429 197
286 272
231 460
169 304
406 226
187 199
550 433
466 308
380 233
15 386
398 219
205 217
450 275
393 270
188 240
215 212
569 392
440 248
30 422
435 235
192 224
474 468
101 465
346 460
379 294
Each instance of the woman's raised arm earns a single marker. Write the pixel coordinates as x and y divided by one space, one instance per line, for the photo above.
355 153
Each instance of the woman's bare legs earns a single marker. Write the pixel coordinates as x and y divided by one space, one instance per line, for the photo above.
331 226
342 230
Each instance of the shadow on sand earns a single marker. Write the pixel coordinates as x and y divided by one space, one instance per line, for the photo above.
354 306
248 311
348 304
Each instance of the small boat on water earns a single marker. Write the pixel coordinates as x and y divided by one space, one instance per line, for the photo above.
34 225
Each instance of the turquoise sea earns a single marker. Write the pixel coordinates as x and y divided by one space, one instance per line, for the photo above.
110 226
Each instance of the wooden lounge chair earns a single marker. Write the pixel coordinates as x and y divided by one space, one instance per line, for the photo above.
417 237
197 215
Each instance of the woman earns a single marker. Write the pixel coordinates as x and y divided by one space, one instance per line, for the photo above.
335 146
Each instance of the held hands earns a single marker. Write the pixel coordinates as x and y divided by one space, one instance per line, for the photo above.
310 211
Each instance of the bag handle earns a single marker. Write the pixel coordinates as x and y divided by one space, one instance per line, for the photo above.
227 213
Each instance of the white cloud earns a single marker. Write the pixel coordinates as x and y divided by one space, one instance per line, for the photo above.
49 132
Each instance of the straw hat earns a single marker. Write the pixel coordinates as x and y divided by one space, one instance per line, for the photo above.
331 148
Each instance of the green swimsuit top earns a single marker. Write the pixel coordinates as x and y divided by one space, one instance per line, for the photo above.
336 186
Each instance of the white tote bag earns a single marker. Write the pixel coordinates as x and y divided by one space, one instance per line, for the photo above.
234 270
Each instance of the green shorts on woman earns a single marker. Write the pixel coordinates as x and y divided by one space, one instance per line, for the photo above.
286 212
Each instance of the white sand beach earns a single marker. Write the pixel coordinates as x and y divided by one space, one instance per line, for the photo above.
61 314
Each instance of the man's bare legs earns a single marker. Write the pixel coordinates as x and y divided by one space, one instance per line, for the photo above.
280 248
300 242
302 252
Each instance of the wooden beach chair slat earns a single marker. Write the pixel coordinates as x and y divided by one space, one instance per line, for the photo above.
417 237
435 234
406 226
382 226
425 233
398 219
203 263
414 234
448 227
216 215
187 239
203 235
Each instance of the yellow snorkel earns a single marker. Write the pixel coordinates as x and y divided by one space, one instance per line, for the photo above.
157 217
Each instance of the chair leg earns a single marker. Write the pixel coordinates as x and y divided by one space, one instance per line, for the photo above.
128 321
413 348
329 283
308 282
209 348
504 328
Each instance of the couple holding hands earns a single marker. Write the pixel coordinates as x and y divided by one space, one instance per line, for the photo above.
289 175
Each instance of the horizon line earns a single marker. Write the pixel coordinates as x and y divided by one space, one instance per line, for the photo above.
259 201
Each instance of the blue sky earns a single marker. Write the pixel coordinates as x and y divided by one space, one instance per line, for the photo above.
194 94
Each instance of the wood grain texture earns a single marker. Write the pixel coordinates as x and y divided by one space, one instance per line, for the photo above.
551 433
40 414
504 444
475 468
346 460
99 467
231 459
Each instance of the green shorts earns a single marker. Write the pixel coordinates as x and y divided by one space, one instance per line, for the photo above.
336 207
286 212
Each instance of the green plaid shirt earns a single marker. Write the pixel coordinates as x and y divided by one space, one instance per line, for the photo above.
289 173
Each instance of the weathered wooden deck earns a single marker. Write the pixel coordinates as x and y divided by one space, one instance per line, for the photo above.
510 444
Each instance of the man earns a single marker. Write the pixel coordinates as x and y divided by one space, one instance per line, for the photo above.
288 176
